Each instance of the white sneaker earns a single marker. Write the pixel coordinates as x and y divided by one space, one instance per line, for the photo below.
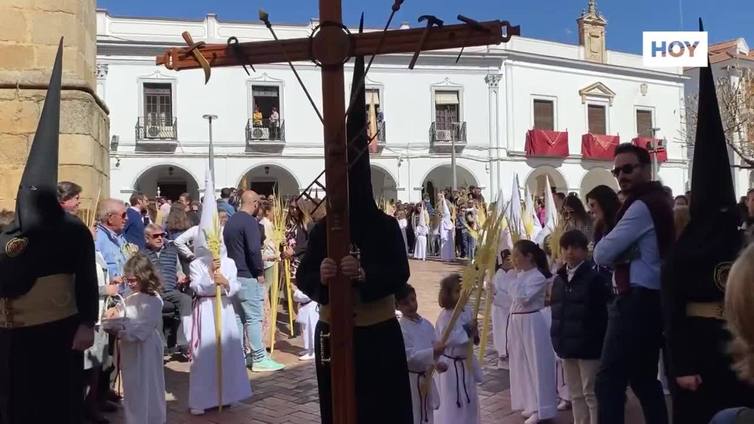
564 405
196 411
306 357
527 414
534 419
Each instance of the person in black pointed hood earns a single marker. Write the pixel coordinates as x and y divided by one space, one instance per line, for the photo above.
48 289
382 388
694 276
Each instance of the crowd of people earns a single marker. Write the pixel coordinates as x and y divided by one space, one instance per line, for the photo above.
155 271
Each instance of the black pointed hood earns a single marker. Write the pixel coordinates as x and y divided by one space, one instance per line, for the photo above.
36 202
711 240
360 195
711 181
39 220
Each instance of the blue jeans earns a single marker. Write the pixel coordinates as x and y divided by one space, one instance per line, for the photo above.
469 245
249 306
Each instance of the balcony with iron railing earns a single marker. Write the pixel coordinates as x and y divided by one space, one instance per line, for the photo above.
265 135
443 137
153 132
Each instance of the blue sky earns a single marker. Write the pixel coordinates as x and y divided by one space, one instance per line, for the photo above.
545 19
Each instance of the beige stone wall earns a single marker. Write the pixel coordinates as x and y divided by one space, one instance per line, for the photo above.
29 38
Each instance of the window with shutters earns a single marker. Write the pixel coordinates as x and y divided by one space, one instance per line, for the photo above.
644 123
447 109
158 104
597 117
544 114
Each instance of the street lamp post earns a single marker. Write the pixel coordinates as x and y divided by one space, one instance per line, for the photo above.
453 162
209 119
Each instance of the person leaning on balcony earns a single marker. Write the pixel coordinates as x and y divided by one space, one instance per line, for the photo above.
274 123
256 117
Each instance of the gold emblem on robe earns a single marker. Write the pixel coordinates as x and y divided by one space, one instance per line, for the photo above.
721 274
16 246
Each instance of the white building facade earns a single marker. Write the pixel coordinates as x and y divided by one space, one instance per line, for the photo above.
483 105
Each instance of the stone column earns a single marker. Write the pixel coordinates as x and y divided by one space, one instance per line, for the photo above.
29 38
493 82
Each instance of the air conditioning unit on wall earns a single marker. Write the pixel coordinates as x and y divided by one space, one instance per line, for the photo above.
260 133
443 135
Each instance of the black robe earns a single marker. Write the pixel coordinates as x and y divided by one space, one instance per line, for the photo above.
699 346
382 385
41 377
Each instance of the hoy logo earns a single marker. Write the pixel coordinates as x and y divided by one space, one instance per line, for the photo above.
675 49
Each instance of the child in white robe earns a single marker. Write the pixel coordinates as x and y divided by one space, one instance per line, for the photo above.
206 274
421 231
308 315
459 402
531 356
501 306
140 345
400 216
422 352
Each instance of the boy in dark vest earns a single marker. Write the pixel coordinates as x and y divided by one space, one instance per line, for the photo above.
579 319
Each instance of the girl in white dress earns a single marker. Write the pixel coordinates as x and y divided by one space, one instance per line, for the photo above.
308 315
422 351
421 230
206 274
459 402
140 345
501 305
531 357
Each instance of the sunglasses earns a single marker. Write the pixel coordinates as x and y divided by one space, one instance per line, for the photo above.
626 169
158 235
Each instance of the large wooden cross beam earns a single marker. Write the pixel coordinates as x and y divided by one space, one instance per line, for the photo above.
330 46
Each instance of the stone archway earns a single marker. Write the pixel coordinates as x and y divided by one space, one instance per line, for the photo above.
383 184
441 178
595 177
537 180
168 181
269 179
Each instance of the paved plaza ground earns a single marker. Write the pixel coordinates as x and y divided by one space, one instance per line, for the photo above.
290 396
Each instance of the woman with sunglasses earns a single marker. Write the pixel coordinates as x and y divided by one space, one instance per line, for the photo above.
575 216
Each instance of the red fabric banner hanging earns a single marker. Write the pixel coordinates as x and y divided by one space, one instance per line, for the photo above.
646 142
546 143
599 147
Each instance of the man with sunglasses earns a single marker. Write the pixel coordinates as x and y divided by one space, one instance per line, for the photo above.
164 256
635 249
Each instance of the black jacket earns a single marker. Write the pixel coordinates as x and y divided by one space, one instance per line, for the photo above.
579 313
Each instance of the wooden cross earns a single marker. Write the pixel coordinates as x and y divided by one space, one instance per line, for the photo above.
330 46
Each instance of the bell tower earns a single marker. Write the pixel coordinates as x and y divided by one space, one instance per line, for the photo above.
592 33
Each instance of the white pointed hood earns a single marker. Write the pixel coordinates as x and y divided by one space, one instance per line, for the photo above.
209 222
551 214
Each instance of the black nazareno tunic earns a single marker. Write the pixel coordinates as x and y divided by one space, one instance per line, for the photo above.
40 375
382 386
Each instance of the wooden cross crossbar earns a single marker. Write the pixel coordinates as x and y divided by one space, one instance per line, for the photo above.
364 44
331 45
